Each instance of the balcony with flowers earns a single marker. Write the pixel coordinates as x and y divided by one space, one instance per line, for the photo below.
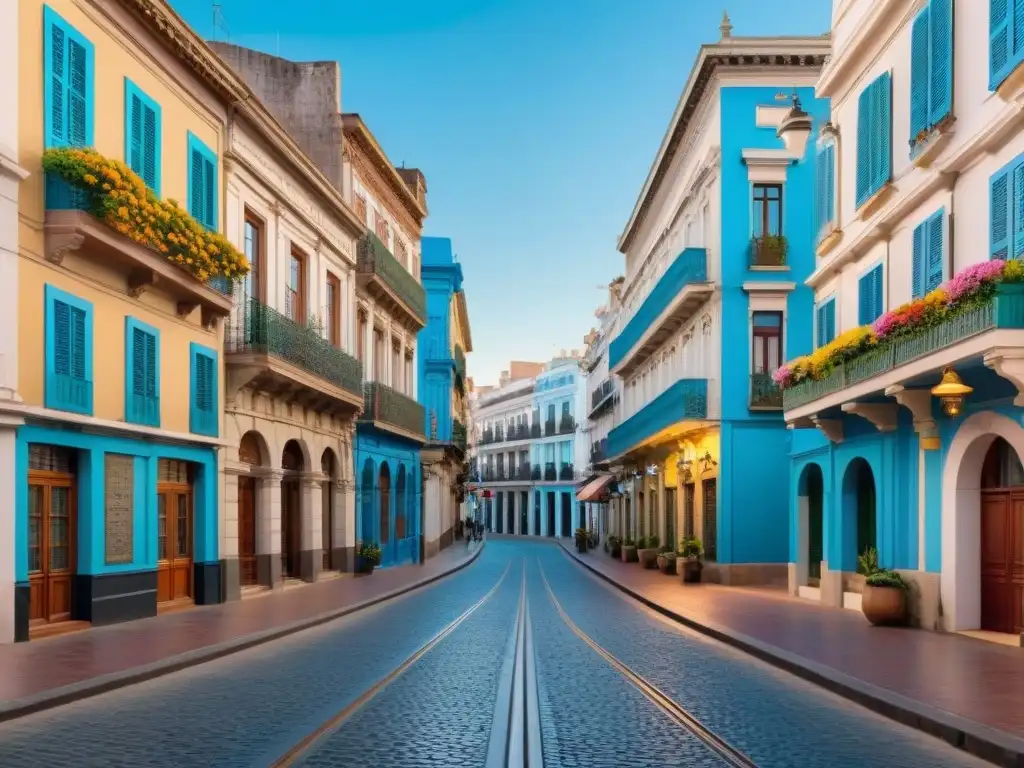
98 207
975 318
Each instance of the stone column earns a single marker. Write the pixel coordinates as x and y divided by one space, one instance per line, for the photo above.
14 588
230 573
268 529
311 548
661 522
343 556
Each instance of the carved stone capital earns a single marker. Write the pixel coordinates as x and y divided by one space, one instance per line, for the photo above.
830 428
1008 363
919 403
882 415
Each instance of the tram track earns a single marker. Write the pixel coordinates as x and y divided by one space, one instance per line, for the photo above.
675 711
309 743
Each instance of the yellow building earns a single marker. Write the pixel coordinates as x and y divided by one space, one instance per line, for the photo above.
119 367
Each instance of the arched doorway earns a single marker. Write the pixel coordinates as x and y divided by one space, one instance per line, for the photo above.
329 467
251 453
401 528
812 524
384 510
367 532
859 513
292 462
1002 539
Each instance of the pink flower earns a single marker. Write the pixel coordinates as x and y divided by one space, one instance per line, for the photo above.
969 280
781 376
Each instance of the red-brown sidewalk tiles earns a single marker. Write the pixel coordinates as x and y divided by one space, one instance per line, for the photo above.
50 672
966 691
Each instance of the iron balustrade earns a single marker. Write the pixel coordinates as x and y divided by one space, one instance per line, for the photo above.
764 393
567 424
523 472
374 258
535 429
550 472
389 406
685 399
535 472
549 428
567 472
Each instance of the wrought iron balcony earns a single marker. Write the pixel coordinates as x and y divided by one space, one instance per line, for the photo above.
500 474
602 397
499 434
522 432
488 475
687 399
566 424
535 473
271 353
599 452
566 472
381 275
550 471
389 409
549 428
487 437
523 472
535 429
765 395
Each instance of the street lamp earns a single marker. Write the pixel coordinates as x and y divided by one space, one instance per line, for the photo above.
951 392
795 128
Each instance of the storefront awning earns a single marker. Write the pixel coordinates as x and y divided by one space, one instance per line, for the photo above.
596 490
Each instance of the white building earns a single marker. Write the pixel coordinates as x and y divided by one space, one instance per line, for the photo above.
925 132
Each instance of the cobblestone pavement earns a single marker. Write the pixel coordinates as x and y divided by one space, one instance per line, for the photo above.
247 709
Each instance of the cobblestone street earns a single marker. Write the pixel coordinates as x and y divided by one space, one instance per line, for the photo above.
252 708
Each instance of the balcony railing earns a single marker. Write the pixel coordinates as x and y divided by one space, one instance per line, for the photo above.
690 266
383 404
487 437
566 425
1005 310
522 432
523 472
686 399
602 394
535 472
460 363
535 429
256 328
374 259
768 251
549 428
458 434
764 393
599 451
500 474
550 471
567 472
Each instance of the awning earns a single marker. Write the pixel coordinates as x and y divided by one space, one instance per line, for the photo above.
595 490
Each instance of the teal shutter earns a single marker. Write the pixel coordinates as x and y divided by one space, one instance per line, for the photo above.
999 215
820 218
203 411
142 377
999 43
197 189
919 75
864 299
202 183
78 96
1016 213
68 75
68 342
877 297
142 135
935 238
882 132
830 320
820 319
940 99
864 145
56 91
917 268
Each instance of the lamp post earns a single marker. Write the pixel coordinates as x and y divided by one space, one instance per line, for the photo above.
795 129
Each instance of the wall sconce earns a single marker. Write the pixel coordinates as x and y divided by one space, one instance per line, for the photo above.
795 128
707 463
951 392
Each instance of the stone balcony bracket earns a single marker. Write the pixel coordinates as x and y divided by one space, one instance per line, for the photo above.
919 403
830 428
1008 362
881 415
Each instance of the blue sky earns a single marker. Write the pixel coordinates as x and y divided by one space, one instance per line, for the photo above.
535 122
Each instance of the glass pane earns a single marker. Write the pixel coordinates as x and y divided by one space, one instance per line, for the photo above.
183 533
758 355
774 358
35 527
775 217
758 218
161 527
60 509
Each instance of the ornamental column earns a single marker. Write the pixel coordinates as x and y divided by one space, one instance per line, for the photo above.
311 547
268 530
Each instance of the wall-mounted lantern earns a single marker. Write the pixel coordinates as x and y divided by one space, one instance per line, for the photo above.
951 392
795 129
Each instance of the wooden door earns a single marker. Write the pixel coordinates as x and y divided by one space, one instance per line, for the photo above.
51 551
1002 561
291 528
247 531
174 543
710 518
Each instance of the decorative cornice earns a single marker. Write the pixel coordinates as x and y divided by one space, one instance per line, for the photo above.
359 135
460 307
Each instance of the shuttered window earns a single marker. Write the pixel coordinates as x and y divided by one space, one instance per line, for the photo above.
874 137
1005 39
142 135
825 189
69 382
931 68
929 254
202 183
68 83
869 294
204 409
826 322
142 373
1006 215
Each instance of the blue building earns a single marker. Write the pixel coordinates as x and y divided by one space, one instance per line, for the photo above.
443 344
717 249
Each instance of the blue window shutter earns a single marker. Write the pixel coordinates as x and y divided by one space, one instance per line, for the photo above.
830 183
69 71
935 249
202 183
999 215
203 403
68 350
940 98
142 135
819 311
917 268
79 96
1017 23
864 299
883 131
1016 215
919 75
877 298
819 192
830 320
142 373
55 52
999 42
864 145
210 192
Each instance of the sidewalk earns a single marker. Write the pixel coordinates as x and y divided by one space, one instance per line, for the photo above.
965 691
53 671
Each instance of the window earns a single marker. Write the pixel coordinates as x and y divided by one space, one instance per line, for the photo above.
869 294
378 355
294 290
825 189
402 252
826 322
202 182
361 339
928 254
203 403
68 352
396 366
68 75
767 341
551 412
1006 215
333 310
253 245
931 68
767 209
361 209
1005 40
565 408
142 135
142 373
382 229
874 137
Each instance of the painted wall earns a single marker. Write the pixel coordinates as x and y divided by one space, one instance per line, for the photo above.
442 276
374 447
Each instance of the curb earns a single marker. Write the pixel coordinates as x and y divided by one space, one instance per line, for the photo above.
84 689
987 743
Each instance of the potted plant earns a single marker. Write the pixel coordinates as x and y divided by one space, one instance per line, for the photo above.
884 599
769 250
593 539
691 551
367 557
629 550
614 546
647 553
667 563
581 540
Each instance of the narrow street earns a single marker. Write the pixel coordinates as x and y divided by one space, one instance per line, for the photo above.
418 680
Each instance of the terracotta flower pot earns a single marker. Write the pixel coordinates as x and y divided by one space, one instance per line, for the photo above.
615 550
884 605
691 571
667 565
648 558
629 554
